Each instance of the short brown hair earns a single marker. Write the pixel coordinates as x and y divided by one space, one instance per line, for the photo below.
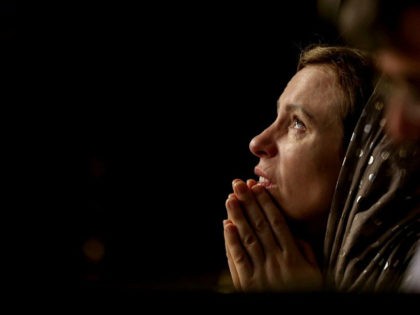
355 75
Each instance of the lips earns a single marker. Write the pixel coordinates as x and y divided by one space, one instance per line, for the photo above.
264 180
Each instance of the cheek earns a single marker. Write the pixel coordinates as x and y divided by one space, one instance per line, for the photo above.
316 169
297 171
309 167
329 165
307 175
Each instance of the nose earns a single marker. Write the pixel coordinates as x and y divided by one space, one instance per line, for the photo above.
263 145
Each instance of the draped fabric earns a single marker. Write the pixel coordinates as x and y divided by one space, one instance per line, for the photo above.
411 281
374 221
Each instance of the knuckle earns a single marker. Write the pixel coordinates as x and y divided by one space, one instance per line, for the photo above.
276 222
260 225
250 240
240 258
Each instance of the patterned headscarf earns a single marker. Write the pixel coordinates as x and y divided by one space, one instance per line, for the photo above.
374 222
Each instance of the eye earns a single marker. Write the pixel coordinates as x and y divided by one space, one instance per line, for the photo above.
298 124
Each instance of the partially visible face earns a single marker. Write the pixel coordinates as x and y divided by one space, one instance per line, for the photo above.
403 69
403 101
301 151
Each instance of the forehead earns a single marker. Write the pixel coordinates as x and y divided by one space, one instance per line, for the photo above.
315 88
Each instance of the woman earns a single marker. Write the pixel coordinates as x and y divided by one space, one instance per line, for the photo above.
275 228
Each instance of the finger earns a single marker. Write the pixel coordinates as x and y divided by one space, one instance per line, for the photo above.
238 259
276 219
232 269
249 240
251 182
255 215
230 196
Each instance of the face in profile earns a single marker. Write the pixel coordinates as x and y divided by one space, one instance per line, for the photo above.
402 66
403 95
301 151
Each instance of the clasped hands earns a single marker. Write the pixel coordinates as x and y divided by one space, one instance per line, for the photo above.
262 252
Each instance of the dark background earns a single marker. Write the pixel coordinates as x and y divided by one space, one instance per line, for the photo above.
153 110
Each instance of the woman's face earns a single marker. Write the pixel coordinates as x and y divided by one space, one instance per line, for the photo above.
301 151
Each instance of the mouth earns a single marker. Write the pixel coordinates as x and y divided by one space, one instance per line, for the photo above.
263 179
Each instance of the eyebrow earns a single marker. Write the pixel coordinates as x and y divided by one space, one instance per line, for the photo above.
299 108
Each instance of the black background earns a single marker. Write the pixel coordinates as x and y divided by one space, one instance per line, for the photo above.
154 108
